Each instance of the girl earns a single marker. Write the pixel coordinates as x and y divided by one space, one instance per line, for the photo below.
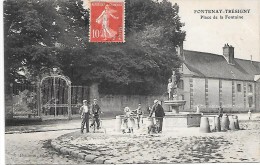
130 119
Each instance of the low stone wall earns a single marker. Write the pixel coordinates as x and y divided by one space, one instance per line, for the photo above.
115 104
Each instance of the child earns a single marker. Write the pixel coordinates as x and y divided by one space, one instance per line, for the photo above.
249 114
150 125
124 125
130 119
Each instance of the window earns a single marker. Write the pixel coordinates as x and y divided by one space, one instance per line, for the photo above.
250 101
181 84
238 87
250 88
182 97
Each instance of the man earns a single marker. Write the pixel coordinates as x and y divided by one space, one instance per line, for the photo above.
159 115
139 115
220 111
96 112
84 110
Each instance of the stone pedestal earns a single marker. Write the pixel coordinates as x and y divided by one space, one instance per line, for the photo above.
181 120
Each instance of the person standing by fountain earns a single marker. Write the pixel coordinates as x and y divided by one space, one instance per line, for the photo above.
84 110
139 114
220 111
159 115
96 114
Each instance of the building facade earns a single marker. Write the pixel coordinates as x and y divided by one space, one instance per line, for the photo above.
210 81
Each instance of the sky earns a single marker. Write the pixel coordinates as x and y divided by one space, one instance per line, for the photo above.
210 35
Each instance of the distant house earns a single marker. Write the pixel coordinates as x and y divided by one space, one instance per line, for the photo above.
211 80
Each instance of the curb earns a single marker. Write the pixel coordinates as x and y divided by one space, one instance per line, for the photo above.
32 131
77 154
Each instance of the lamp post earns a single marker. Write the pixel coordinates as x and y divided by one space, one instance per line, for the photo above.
71 71
12 93
54 89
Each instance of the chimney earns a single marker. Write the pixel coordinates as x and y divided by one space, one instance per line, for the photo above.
228 53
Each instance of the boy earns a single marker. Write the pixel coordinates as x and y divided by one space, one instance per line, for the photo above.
84 111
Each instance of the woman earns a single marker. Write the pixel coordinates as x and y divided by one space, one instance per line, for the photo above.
103 19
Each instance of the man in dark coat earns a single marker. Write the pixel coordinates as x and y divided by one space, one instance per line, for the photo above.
159 115
220 111
96 114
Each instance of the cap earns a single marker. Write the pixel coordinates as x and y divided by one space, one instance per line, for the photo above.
95 99
84 101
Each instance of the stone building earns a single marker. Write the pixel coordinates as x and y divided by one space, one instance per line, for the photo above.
210 81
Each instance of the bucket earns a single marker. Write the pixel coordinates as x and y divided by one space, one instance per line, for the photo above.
150 121
232 123
118 123
236 122
217 124
204 125
225 123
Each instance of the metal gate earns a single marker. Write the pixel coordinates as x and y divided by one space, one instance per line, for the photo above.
55 96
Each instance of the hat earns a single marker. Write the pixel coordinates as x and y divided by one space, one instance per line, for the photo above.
155 101
84 101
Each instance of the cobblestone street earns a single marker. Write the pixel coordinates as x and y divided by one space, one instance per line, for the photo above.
34 148
184 145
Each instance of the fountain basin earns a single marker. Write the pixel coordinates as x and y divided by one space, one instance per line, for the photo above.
181 120
175 105
175 102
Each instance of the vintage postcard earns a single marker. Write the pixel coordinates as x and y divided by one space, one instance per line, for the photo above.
131 81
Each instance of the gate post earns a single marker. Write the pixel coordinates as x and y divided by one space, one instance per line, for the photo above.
39 107
69 100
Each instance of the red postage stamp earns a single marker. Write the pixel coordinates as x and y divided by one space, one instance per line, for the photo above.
107 22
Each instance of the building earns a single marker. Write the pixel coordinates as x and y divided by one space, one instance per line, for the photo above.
210 81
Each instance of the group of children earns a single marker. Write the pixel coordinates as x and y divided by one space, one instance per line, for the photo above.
129 119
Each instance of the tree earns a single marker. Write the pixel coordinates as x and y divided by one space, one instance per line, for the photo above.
32 30
43 34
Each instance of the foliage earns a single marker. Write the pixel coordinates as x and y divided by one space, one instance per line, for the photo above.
43 34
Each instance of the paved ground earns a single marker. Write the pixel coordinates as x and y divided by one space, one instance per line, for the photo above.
34 148
186 145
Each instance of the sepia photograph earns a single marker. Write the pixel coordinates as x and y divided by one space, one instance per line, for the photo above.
130 81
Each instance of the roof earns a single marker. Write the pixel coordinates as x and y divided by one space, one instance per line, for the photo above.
215 66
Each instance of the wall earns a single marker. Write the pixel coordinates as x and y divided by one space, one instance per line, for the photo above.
226 94
257 100
186 92
199 93
239 96
209 93
114 104
213 94
249 94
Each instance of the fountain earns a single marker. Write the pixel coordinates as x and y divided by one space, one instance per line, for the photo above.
175 118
